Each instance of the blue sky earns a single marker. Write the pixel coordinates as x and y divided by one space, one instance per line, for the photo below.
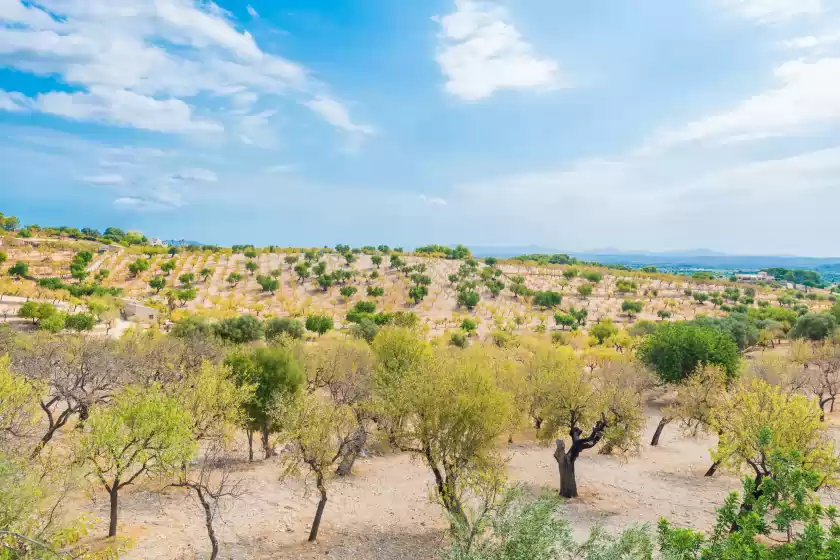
651 125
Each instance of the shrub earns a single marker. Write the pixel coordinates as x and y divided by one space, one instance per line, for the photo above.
675 350
239 330
283 326
548 299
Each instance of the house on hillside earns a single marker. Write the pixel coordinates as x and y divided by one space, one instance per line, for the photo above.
134 310
760 277
156 242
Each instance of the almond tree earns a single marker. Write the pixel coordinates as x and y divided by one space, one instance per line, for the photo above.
142 432
319 432
444 406
345 369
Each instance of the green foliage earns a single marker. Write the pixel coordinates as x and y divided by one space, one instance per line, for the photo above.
186 295
187 279
459 252
746 522
20 269
814 326
80 322
375 291
319 324
548 299
743 330
251 266
192 326
142 431
625 286
603 330
417 293
469 325
347 291
518 527
459 339
239 330
632 307
267 283
564 320
585 290
168 266
549 259
365 328
468 299
276 376
283 326
675 350
594 277
138 266
157 283
234 278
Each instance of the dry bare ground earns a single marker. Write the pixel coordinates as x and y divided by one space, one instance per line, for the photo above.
382 511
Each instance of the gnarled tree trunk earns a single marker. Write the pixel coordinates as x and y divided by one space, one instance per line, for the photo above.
658 433
345 468
566 458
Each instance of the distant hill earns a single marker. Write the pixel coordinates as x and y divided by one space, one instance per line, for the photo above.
710 259
509 251
178 242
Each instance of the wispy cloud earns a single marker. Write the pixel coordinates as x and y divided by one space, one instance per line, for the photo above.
481 52
104 179
432 200
336 114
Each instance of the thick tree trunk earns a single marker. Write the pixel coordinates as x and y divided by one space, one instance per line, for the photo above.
538 423
713 469
267 449
345 468
656 435
112 525
566 465
316 523
250 434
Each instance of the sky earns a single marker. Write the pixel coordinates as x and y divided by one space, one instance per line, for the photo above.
654 125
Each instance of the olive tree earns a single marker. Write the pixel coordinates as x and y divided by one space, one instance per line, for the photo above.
587 406
276 377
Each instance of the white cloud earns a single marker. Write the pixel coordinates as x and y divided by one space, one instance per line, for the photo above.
806 100
336 114
169 51
252 12
104 179
196 174
124 108
432 200
813 42
774 11
480 52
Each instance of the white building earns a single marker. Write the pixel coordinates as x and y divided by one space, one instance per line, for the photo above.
155 242
760 277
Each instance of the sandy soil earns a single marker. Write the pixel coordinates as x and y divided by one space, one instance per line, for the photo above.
383 511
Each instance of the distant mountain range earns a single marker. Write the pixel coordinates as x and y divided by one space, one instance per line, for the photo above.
693 258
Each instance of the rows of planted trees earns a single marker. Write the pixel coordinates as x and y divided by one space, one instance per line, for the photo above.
167 410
